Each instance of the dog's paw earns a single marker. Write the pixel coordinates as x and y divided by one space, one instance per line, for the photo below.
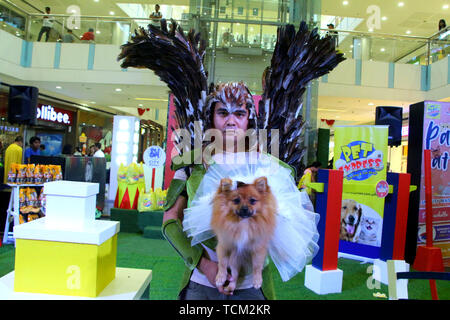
257 281
221 278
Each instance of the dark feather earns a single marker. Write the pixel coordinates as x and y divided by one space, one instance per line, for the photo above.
298 58
178 61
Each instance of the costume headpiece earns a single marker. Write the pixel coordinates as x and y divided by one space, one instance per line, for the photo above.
177 59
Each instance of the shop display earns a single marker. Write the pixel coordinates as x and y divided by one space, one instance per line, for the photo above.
150 201
131 184
31 206
33 173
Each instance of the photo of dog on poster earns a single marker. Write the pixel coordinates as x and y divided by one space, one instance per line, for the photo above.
360 223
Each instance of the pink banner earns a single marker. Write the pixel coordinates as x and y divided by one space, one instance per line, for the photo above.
436 137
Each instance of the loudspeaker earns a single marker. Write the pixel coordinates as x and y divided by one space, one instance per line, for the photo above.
391 116
22 103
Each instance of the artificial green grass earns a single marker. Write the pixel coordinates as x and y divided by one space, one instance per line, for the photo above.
135 251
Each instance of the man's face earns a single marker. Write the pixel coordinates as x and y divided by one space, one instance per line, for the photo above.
232 121
157 8
36 144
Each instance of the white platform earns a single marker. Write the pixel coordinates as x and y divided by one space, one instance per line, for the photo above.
380 270
129 284
96 232
323 282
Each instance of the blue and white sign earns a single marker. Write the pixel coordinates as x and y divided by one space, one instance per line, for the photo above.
154 156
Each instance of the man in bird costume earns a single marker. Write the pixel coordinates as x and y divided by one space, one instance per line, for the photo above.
177 59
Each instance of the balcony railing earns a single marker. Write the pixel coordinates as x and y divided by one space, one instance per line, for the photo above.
234 36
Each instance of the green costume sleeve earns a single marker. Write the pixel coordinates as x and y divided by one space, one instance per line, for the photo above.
173 232
175 189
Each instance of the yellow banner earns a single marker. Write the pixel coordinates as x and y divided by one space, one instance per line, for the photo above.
361 153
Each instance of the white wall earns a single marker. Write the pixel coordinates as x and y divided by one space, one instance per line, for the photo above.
439 74
375 74
10 48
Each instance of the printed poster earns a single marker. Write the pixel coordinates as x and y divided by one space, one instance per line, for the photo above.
436 137
361 153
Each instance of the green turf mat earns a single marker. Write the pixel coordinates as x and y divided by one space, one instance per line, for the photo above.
136 251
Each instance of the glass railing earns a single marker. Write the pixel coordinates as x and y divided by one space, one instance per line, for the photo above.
231 31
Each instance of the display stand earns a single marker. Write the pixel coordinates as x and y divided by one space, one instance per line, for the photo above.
129 284
13 210
323 276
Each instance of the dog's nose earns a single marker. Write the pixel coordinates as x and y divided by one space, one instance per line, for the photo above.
351 219
244 212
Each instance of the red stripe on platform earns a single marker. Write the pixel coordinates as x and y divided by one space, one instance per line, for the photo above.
404 181
333 218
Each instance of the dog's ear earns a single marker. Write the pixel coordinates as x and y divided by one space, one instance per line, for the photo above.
225 185
261 184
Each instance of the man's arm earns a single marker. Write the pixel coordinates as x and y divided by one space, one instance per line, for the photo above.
194 257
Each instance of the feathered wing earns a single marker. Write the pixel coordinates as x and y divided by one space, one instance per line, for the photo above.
298 58
177 59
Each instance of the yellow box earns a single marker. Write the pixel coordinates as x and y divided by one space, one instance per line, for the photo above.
64 268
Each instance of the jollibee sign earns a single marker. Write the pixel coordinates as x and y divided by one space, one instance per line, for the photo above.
49 113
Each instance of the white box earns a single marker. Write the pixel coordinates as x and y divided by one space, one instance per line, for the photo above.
96 232
380 271
323 282
69 204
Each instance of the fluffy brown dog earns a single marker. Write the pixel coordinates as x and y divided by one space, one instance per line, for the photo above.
350 218
243 220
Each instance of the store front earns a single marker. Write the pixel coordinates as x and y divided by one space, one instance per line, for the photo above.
94 127
55 124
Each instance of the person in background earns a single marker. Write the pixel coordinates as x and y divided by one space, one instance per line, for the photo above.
34 149
42 147
69 37
13 154
309 175
88 36
333 34
98 150
156 17
91 151
442 24
47 25
77 152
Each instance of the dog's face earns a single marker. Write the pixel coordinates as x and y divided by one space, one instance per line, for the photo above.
350 216
246 200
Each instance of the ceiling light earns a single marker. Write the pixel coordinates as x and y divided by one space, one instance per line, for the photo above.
445 6
408 31
111 13
96 0
401 4
371 104
384 18
58 87
118 89
345 3
97 32
382 49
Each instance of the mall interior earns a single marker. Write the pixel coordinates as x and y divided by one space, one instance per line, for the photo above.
396 55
